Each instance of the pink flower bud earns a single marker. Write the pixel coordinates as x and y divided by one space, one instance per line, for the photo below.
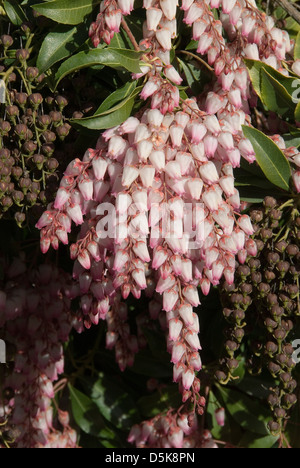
100 167
130 174
245 224
147 174
205 42
195 362
86 188
172 74
84 259
169 8
158 159
113 20
188 378
173 170
296 180
199 27
62 197
175 328
140 278
154 16
220 417
205 286
193 340
164 37
194 187
175 436
193 13
149 89
126 6
177 352
170 299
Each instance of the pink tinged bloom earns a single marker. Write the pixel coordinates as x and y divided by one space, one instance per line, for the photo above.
62 236
205 42
117 147
215 3
188 378
228 244
113 20
192 339
193 13
140 198
209 173
296 180
186 313
186 4
173 170
235 15
84 259
134 434
235 201
123 202
241 78
121 259
195 362
165 284
94 250
142 133
198 132
75 213
176 134
205 286
100 166
178 370
149 89
245 224
139 277
212 199
158 159
141 251
187 270
211 256
199 28
217 271
214 103
226 80
234 157
170 299
194 188
177 352
169 8
229 275
228 5
172 74
176 435
154 16
235 98
130 174
296 67
164 37
159 257
175 328
210 146
249 24
220 417
130 125
62 197
227 185
251 52
242 256
191 295
226 141
251 247
147 174
86 188
155 118
239 238
126 6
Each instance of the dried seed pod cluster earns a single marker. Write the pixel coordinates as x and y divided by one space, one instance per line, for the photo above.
265 297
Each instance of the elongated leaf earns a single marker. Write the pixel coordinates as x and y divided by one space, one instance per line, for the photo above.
115 404
252 441
192 75
255 68
275 96
297 113
270 158
112 117
159 402
60 43
248 413
15 12
116 97
114 58
297 47
67 11
87 415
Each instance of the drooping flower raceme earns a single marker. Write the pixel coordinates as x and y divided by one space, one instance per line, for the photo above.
156 199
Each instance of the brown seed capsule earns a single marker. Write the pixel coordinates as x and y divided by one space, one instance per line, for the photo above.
56 117
221 376
35 100
21 131
29 147
32 73
260 245
22 55
246 288
7 203
270 202
282 359
7 41
269 276
38 160
277 311
273 400
62 102
271 347
5 127
271 324
292 250
48 149
18 197
36 187
289 400
63 131
280 334
232 364
12 111
31 198
254 264
273 258
281 246
266 234
52 164
49 136
77 115
280 413
21 99
20 219
274 427
274 368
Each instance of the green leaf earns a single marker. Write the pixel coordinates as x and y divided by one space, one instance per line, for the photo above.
251 441
116 97
275 97
60 43
270 158
159 402
15 12
114 403
87 415
248 413
297 47
192 74
297 112
110 118
114 58
66 11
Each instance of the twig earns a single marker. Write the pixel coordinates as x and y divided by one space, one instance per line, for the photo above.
199 59
290 9
130 35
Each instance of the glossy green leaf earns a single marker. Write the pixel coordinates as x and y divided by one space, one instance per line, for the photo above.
270 158
192 75
248 413
112 117
60 43
67 11
297 112
114 58
15 12
297 47
116 97
158 402
114 403
87 415
275 97
251 441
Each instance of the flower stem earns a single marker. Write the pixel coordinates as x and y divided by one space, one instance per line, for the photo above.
130 35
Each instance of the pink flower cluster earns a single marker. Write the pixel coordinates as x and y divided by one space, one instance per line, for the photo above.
35 321
109 20
172 430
